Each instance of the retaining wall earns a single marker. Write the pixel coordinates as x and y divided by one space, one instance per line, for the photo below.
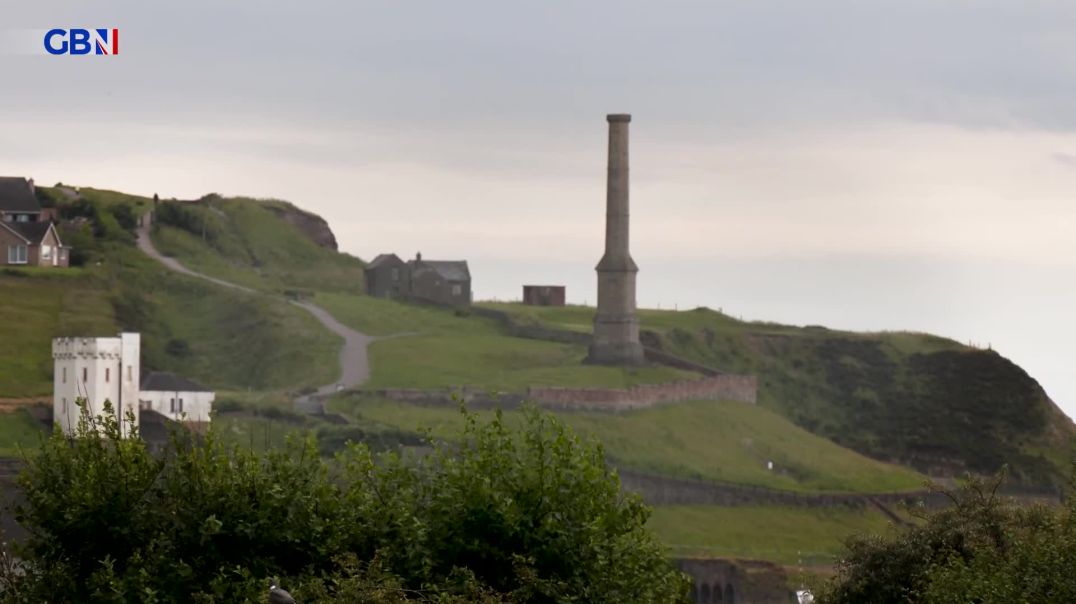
665 490
740 388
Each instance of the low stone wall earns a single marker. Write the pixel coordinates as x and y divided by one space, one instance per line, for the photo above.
741 388
532 332
449 397
665 490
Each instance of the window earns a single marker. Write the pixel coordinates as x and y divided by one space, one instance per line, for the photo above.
395 274
172 405
129 378
108 374
65 407
22 218
176 406
7 217
457 289
16 254
46 252
65 374
85 375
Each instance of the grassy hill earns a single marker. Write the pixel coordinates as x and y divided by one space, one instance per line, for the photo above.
909 398
710 440
224 338
253 243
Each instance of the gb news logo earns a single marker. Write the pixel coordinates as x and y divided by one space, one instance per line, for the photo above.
77 41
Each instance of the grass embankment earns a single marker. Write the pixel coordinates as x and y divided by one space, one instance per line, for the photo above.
223 338
246 241
786 535
445 349
708 440
19 432
917 398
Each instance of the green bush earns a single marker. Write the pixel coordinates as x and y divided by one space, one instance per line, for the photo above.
500 515
982 549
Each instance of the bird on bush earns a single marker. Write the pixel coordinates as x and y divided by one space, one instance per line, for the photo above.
279 596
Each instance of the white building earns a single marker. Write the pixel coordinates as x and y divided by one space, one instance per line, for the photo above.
109 369
175 397
98 370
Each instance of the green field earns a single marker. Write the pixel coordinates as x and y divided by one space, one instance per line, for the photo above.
382 317
786 535
442 348
499 363
19 433
38 305
709 440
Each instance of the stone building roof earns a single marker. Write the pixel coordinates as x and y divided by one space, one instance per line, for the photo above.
162 381
449 270
17 196
382 259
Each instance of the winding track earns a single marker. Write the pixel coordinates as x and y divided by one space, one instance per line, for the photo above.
354 362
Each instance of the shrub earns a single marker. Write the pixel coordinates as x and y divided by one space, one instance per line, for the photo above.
499 515
981 549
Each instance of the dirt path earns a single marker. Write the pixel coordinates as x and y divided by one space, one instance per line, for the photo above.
354 362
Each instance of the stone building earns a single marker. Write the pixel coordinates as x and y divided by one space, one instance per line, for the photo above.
444 282
544 295
385 277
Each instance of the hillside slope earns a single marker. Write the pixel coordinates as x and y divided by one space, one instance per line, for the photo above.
909 398
223 338
267 245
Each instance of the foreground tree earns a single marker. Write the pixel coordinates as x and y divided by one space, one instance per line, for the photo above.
498 514
983 549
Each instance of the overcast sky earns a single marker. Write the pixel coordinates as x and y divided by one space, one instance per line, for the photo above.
859 164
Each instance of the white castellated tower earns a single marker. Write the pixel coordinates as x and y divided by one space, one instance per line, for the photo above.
97 369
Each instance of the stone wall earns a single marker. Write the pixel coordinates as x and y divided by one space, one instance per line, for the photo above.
666 490
731 581
740 388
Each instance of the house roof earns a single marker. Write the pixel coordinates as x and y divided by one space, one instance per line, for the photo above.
16 195
449 270
381 259
33 232
162 381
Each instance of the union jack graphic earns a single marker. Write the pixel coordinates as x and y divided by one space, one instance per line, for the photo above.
107 42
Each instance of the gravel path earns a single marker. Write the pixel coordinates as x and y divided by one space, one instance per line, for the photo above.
354 362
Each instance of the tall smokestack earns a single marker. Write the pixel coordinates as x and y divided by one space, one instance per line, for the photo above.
616 328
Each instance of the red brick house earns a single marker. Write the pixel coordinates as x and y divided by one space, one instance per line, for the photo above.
27 235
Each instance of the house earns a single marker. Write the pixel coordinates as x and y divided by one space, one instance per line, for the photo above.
27 234
543 295
445 282
386 277
109 369
31 244
175 397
